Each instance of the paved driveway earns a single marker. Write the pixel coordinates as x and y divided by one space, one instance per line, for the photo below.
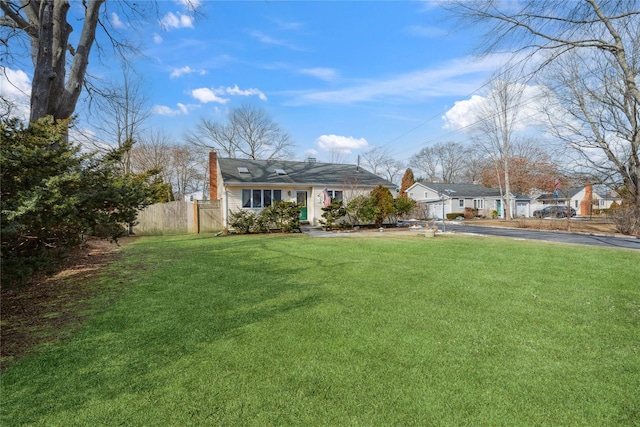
550 236
515 233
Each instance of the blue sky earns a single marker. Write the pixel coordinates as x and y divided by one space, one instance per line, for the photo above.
340 77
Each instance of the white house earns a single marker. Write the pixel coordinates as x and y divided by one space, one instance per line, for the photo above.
197 195
441 199
255 184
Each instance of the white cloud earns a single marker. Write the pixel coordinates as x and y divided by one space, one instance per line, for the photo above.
157 38
179 72
179 20
235 90
15 87
206 95
163 110
116 21
466 113
457 77
268 40
340 144
321 73
182 110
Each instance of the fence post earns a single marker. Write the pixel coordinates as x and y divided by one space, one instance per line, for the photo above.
196 217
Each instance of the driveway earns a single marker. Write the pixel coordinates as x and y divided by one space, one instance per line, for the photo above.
612 241
615 241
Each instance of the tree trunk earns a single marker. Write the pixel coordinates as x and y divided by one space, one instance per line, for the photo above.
52 94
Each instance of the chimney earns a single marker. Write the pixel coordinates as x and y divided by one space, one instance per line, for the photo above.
213 175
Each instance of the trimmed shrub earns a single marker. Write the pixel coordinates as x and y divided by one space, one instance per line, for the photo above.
283 216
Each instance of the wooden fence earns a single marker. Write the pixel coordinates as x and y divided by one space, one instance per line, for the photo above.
180 218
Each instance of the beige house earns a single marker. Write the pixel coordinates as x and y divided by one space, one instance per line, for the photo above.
255 184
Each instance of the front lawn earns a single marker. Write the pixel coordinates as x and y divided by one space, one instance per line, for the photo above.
399 330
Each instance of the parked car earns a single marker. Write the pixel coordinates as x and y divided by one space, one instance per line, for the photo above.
554 211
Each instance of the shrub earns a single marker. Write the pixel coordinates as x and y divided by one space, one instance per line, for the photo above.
454 215
242 221
288 216
626 217
404 206
383 205
332 213
53 194
284 216
470 213
359 210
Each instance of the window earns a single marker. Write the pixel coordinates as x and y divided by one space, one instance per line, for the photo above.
478 203
280 172
242 169
461 203
335 194
257 198
426 195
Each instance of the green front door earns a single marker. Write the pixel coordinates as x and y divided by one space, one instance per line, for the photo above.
301 201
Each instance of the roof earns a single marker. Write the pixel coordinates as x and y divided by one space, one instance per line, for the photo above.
273 172
562 194
461 190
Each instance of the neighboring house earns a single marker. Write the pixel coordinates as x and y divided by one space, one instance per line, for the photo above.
192 197
582 199
255 184
441 199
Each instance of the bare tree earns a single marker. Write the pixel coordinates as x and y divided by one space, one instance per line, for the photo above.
444 161
530 168
120 114
185 167
250 132
391 169
594 42
474 163
54 92
496 127
595 117
374 159
153 151
60 69
426 161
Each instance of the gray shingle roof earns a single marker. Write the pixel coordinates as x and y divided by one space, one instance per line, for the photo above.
468 190
463 190
297 173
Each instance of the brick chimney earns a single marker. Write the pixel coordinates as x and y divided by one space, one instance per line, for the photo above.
213 175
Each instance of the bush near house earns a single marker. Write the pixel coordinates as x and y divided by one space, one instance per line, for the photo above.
332 214
282 216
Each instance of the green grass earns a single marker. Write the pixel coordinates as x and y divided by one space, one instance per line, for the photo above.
292 330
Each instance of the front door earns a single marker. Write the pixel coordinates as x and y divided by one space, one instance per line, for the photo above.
301 201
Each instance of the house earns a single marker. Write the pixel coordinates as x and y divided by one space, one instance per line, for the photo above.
255 184
441 199
583 199
197 195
